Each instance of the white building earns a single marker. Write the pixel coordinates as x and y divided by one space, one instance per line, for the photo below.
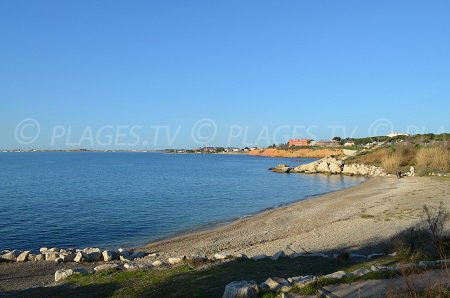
396 134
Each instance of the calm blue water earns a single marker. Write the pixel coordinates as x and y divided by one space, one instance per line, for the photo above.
125 199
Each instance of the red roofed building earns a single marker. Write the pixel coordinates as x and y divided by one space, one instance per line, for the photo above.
298 142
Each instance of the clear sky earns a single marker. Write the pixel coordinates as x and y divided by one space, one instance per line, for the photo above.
264 70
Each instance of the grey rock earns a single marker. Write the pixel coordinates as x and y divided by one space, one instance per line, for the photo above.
360 272
107 268
67 257
241 289
336 275
62 274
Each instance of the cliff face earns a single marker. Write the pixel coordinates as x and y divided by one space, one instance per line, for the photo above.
305 153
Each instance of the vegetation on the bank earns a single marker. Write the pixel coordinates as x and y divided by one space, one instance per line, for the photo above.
434 158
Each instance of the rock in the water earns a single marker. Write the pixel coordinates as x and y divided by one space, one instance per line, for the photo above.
278 255
62 274
42 250
107 268
281 169
109 255
40 257
31 257
23 257
176 260
241 289
10 256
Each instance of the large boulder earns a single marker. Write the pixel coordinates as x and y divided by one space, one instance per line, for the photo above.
51 255
94 254
23 257
10 256
241 289
67 257
81 257
62 274
110 255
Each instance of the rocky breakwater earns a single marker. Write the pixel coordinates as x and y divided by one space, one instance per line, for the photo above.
332 166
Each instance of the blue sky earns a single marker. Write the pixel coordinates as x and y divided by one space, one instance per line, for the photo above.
299 66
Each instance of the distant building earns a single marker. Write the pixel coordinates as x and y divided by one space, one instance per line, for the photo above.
298 142
396 134
349 144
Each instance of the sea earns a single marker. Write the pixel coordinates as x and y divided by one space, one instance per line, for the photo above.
129 199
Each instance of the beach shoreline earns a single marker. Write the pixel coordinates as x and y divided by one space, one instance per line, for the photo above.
210 227
350 219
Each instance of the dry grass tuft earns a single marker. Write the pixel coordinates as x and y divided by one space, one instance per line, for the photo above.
392 163
434 159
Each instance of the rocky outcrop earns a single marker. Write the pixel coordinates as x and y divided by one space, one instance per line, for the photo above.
331 165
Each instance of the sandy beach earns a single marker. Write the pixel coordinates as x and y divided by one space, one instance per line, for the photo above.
351 219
